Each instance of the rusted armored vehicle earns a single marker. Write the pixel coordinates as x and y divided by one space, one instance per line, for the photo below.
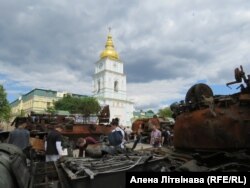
70 126
71 130
146 123
207 121
99 127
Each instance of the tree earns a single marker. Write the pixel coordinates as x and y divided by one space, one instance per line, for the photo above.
150 111
67 103
51 110
89 105
5 110
165 112
85 106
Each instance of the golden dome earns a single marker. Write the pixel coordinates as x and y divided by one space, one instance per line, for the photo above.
109 50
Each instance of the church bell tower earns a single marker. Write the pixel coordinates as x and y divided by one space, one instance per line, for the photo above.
110 83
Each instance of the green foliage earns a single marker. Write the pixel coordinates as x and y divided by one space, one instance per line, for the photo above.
51 110
5 110
165 112
85 106
150 111
67 103
89 105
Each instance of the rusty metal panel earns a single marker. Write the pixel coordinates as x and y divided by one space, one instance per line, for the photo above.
229 129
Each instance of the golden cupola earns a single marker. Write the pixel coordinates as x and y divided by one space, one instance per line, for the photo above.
109 50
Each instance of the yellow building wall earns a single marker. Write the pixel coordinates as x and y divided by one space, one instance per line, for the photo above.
40 103
36 104
16 110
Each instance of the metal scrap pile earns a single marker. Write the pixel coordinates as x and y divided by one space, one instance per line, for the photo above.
82 167
221 161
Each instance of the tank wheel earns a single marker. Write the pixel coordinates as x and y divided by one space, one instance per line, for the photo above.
196 92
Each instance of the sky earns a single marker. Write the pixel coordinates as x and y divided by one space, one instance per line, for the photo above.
166 46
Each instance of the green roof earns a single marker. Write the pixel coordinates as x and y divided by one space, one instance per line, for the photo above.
43 93
62 113
142 114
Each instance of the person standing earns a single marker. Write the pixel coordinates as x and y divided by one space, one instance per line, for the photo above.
53 145
128 132
115 122
20 136
165 136
138 136
155 139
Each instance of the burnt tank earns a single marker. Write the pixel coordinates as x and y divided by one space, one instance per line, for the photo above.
208 121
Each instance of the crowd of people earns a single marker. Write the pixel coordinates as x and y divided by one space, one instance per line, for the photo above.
117 139
158 138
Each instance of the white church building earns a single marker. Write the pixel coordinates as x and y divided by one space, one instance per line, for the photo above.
110 83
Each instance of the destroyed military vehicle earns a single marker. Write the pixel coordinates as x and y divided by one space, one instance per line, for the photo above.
214 122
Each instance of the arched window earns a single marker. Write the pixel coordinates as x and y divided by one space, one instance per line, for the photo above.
99 86
116 86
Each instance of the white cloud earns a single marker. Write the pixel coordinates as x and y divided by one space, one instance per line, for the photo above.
154 94
166 45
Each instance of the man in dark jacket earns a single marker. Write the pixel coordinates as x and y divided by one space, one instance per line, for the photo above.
53 144
20 136
138 136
